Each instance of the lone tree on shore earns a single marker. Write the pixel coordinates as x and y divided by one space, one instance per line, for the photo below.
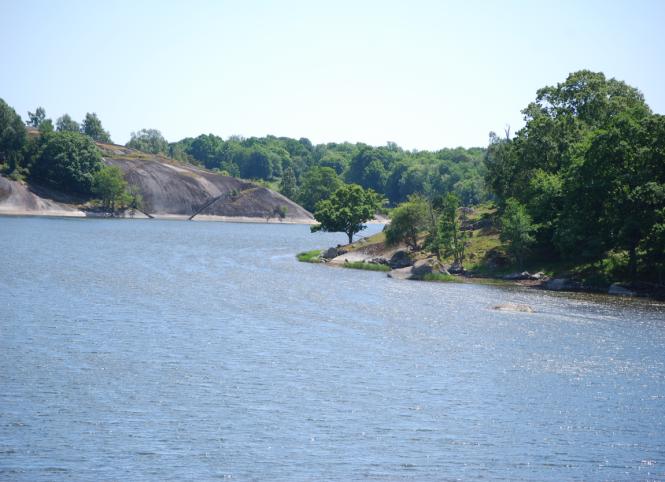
346 210
407 221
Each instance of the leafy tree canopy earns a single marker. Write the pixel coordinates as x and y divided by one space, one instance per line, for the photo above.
92 127
66 124
67 161
12 136
406 222
149 140
346 210
36 118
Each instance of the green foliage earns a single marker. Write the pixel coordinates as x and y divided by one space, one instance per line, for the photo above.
516 230
12 137
149 140
278 212
67 161
589 168
450 240
346 211
440 277
92 127
389 170
46 126
318 184
366 266
313 256
36 118
406 221
110 186
288 186
66 124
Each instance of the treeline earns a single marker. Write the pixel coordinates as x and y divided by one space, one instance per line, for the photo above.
309 173
64 157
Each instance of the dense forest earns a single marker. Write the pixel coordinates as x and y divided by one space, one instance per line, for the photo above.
309 173
588 173
581 185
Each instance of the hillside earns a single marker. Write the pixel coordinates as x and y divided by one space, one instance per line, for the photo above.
169 189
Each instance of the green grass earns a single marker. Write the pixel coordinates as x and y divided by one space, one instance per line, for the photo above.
366 266
377 238
440 277
313 256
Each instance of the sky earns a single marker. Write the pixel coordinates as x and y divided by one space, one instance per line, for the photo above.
423 74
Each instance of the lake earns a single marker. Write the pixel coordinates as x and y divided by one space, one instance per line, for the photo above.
164 350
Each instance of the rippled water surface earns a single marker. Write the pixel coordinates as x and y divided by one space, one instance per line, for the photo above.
155 350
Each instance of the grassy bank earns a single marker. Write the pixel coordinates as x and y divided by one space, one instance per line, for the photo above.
366 266
313 256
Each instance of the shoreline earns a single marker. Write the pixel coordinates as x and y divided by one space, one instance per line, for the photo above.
80 214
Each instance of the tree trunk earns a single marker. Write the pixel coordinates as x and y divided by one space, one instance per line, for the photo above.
350 235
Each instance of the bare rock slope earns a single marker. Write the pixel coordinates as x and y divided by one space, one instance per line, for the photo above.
17 198
169 188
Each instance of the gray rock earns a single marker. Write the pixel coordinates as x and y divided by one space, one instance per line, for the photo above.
455 268
524 275
559 284
330 253
617 290
400 273
514 307
401 259
421 268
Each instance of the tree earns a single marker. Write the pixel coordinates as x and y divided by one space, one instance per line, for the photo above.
92 127
46 127
66 124
516 230
12 136
149 140
67 161
110 186
451 240
287 186
406 221
346 211
37 117
317 184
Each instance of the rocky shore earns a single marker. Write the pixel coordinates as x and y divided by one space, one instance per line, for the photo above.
401 263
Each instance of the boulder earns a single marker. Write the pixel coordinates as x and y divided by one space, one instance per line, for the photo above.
455 268
617 289
330 253
400 273
401 259
559 284
514 307
422 268
524 275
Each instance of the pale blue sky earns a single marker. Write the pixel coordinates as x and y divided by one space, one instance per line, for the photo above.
424 74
